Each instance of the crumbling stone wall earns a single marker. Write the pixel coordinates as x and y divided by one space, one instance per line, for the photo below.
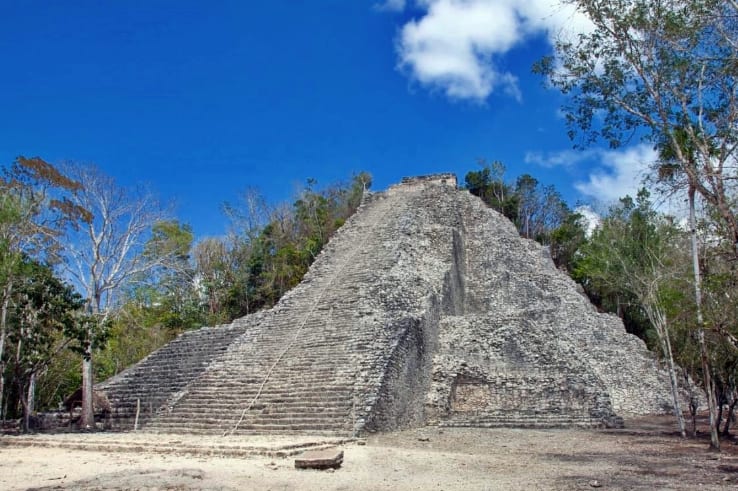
531 345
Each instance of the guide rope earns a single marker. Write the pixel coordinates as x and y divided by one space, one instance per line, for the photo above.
299 330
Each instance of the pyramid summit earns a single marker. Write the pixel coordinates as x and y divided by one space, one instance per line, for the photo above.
426 307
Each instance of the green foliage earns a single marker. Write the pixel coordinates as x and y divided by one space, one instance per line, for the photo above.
566 240
489 185
271 249
137 329
629 263
665 72
536 210
42 321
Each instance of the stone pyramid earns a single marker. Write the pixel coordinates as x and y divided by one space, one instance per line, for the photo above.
426 307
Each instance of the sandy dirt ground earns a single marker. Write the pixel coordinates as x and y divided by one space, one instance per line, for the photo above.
645 455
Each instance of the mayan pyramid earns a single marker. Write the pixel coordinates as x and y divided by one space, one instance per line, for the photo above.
426 307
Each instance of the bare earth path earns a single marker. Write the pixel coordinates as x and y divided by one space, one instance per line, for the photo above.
644 456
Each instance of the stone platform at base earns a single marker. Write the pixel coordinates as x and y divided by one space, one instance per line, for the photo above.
236 446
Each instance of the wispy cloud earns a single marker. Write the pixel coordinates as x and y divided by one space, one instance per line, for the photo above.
619 172
455 46
390 6
563 158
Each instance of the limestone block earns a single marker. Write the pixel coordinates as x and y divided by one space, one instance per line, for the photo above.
330 458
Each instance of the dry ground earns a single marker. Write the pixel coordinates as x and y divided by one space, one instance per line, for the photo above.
646 455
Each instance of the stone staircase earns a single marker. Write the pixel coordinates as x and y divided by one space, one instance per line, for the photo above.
426 307
157 379
316 361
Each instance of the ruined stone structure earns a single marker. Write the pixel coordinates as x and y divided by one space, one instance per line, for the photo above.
425 308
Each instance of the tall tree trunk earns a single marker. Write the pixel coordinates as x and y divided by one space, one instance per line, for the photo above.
32 393
731 413
27 401
7 291
87 417
659 321
21 387
709 389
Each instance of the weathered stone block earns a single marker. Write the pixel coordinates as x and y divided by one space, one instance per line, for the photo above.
320 459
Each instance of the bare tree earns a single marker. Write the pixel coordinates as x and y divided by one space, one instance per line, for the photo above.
212 260
106 253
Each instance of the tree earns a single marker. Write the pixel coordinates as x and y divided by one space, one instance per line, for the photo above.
106 253
211 263
171 281
489 184
656 69
665 70
44 320
34 209
566 239
634 249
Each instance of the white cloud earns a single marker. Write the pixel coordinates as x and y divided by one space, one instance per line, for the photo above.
590 219
454 46
620 172
563 158
391 6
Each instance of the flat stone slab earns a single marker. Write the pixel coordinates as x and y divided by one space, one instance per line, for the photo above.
329 458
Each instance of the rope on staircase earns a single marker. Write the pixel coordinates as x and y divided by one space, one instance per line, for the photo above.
298 331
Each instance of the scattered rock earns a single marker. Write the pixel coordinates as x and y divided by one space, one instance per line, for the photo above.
330 458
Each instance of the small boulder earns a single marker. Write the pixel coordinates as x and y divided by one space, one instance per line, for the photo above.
330 458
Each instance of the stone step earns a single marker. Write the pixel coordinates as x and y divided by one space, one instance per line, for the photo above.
174 444
192 430
524 423
521 420
212 419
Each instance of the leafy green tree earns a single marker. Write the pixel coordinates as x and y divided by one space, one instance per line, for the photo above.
43 320
566 239
174 300
633 250
489 184
536 210
270 248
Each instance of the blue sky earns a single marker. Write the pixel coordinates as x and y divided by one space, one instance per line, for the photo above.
204 99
